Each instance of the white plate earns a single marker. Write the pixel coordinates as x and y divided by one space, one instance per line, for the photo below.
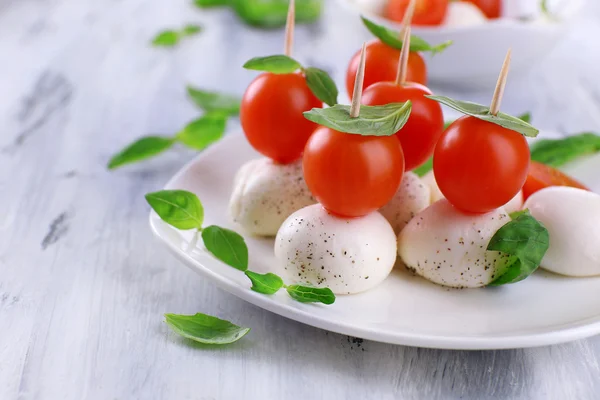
405 309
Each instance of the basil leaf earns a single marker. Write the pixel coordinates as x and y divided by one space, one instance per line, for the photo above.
558 152
277 64
424 168
265 283
141 149
204 131
168 38
392 38
211 3
227 245
307 294
213 101
526 240
372 121
205 328
483 113
322 86
191 29
526 117
178 208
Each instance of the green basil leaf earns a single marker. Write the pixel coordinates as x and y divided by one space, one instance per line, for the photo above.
191 29
277 64
558 152
205 328
213 101
322 86
211 3
483 113
526 117
307 294
227 245
424 168
141 149
526 240
517 214
265 283
372 121
204 131
392 38
178 208
273 13
168 38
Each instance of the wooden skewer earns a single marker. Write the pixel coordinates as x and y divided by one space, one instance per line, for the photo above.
408 16
358 85
499 92
403 62
289 29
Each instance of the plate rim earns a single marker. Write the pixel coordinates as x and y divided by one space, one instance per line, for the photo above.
574 331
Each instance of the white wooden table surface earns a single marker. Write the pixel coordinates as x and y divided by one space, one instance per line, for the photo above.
83 284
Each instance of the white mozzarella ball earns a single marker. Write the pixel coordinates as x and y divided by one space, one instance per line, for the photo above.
348 255
448 247
515 204
371 6
266 193
463 13
412 197
572 217
436 193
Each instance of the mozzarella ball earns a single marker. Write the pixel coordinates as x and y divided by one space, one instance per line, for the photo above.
463 13
448 247
515 204
348 255
265 194
412 197
436 193
371 6
572 217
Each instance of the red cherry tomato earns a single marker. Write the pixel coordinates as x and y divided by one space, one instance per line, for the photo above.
271 115
491 8
480 166
425 124
427 12
352 175
381 65
541 176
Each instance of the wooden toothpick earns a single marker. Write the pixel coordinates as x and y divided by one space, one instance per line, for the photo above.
289 29
358 84
403 62
408 16
499 92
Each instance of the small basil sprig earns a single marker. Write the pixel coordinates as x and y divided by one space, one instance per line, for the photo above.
270 283
483 112
318 81
183 210
526 241
558 152
170 37
392 38
213 101
424 168
372 120
205 328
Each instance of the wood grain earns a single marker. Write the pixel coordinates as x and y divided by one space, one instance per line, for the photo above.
83 285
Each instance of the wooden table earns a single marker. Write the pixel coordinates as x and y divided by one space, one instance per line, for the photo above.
83 284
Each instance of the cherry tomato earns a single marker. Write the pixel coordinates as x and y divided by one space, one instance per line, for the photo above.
427 12
352 175
271 115
480 166
491 8
381 65
541 176
425 124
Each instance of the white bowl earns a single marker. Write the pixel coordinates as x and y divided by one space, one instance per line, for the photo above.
476 55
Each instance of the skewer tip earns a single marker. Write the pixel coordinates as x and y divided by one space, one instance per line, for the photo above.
358 84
